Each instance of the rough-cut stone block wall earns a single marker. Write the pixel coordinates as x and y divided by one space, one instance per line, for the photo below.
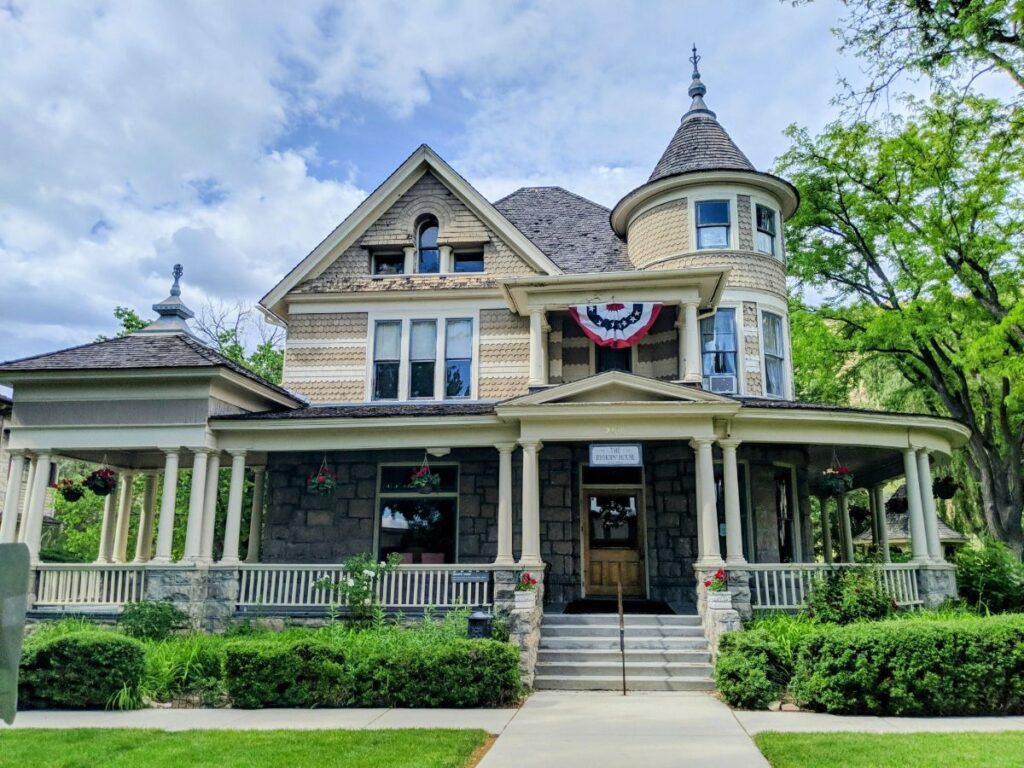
504 354
325 356
660 232
304 527
395 230
744 227
751 349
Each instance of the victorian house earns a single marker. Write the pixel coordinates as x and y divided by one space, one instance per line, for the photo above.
601 398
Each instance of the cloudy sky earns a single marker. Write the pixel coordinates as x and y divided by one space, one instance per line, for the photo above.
232 136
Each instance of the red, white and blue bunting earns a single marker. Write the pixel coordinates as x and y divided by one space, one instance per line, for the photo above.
618 326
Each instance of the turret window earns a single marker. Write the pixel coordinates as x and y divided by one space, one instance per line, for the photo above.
718 344
713 224
774 355
765 229
428 255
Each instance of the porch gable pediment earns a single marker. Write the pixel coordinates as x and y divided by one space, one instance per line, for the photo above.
618 387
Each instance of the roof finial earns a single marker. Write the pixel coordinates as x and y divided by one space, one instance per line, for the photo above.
177 272
173 314
697 91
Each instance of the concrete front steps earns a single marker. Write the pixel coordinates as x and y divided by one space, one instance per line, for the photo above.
663 653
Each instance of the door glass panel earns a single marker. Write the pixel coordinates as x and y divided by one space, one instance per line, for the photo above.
613 520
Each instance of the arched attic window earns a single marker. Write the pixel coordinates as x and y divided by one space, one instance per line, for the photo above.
428 255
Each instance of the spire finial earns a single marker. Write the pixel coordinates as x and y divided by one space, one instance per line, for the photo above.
697 90
177 272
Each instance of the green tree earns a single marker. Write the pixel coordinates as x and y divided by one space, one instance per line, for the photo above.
915 228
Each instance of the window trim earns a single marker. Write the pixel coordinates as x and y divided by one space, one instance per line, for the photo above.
774 253
729 200
737 310
787 377
425 221
407 339
633 358
378 495
373 361
466 251
398 254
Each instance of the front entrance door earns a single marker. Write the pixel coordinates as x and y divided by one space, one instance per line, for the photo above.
613 546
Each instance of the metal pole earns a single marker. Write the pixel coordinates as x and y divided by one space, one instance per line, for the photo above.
622 636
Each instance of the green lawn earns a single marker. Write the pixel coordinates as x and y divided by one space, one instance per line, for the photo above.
126 748
911 750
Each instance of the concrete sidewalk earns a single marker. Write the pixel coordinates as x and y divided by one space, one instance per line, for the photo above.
491 720
807 722
599 730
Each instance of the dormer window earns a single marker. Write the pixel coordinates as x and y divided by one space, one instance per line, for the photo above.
765 229
428 255
713 224
388 264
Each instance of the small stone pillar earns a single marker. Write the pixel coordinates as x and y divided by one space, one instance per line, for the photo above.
718 621
524 624
936 583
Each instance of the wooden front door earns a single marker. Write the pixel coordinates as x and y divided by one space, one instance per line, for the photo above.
613 545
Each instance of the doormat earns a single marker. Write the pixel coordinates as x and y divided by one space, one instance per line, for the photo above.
594 605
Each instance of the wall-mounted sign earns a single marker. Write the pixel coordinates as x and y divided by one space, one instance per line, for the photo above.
616 455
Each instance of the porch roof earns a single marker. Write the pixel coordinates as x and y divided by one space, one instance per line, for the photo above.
368 411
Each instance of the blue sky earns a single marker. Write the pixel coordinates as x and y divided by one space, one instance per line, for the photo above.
231 137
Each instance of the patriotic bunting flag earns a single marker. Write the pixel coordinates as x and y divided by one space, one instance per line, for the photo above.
618 326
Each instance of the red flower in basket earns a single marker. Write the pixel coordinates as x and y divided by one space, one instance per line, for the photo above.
718 582
323 481
102 481
526 584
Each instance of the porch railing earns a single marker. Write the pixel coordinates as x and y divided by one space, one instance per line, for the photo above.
408 587
785 586
88 584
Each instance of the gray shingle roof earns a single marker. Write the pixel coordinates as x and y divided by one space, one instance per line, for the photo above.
173 350
369 411
700 144
898 526
571 231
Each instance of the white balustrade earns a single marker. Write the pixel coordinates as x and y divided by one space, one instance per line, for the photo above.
75 584
785 586
407 587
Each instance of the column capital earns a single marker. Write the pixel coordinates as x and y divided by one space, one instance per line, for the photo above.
922 450
504 447
531 445
204 450
238 453
699 442
18 452
259 470
730 442
172 451
689 302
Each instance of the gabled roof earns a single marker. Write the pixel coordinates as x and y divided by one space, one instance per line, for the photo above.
137 352
571 230
424 159
700 144
898 527
619 386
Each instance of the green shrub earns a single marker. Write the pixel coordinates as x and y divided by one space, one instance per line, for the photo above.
186 666
151 620
990 577
851 594
914 668
80 670
389 667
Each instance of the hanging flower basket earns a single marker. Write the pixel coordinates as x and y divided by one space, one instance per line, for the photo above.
323 481
70 490
613 514
102 481
837 480
945 487
423 480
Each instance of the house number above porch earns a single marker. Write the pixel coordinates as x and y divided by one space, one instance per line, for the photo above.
616 455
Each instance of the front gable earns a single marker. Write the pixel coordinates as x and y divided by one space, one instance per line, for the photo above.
619 387
422 184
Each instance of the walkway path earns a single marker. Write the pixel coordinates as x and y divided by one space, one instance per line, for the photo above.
807 722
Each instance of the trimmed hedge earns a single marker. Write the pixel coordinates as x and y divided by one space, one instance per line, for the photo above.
914 668
79 670
750 669
361 672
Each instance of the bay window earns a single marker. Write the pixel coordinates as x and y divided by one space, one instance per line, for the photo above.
713 224
718 345
774 355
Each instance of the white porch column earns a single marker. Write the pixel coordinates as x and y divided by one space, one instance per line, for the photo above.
196 497
918 534
210 507
711 556
731 490
144 540
26 502
530 553
252 554
691 343
233 523
844 521
883 524
106 553
9 525
124 516
538 353
504 555
168 501
826 529
37 504
931 520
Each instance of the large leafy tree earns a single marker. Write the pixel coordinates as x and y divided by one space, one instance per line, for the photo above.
912 228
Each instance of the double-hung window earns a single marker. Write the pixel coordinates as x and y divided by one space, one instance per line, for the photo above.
774 355
387 357
718 344
423 359
765 217
713 224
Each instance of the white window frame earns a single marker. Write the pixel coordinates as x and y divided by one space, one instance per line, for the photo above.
780 238
787 361
710 197
774 253
404 363
741 375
